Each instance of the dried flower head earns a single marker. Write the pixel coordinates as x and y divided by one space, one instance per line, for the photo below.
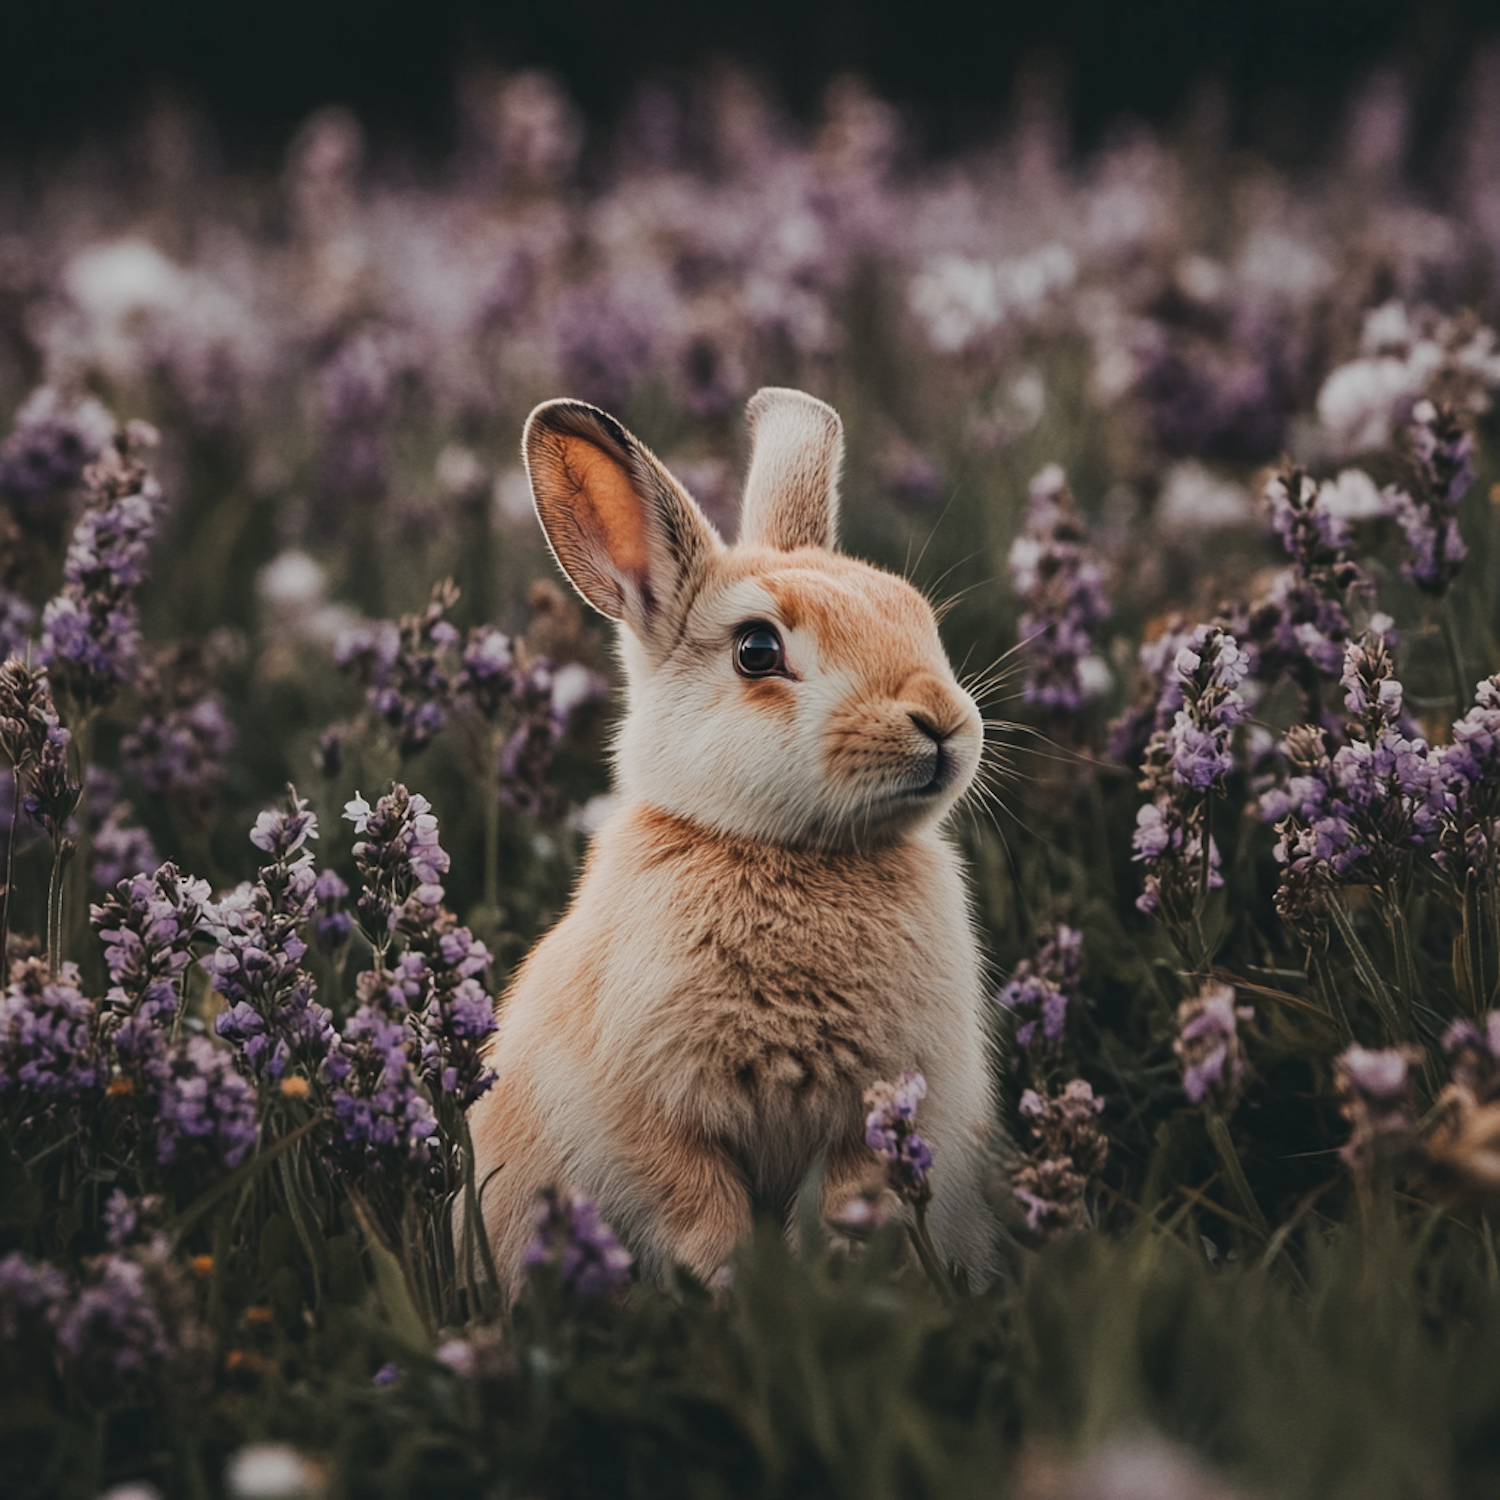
1051 1181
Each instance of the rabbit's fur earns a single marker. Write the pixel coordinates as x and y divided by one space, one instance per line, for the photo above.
771 920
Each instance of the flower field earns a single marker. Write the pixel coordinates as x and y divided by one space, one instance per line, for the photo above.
1196 456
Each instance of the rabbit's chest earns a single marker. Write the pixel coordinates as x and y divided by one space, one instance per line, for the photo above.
795 982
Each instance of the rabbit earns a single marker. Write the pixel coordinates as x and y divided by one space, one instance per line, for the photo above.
771 918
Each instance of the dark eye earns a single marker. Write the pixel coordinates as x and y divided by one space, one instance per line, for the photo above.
757 652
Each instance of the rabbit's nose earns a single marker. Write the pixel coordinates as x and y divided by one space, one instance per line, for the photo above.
935 732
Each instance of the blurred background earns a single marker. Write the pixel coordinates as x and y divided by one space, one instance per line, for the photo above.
82 68
335 252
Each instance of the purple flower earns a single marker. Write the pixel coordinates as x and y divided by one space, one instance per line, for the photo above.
388 1374
37 745
180 751
1376 1098
1470 772
1042 987
486 672
1183 762
127 1219
570 1235
1062 588
1301 628
1443 456
1474 1056
408 669
357 386
90 631
332 925
1358 817
281 831
454 1015
147 926
382 1120
17 620
399 859
272 1018
49 1051
119 850
1068 1150
49 447
1208 668
203 1110
29 1292
111 1333
891 1134
1208 1047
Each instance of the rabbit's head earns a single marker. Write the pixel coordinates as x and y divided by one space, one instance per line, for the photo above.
778 690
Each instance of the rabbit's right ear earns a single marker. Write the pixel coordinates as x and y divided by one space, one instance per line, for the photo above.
792 489
624 531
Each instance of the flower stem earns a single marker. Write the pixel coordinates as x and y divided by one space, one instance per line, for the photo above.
932 1262
1455 659
1229 1159
62 852
492 825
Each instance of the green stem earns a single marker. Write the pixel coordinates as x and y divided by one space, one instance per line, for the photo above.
1406 968
1455 659
932 1263
62 849
1229 1159
492 825
476 1236
1368 971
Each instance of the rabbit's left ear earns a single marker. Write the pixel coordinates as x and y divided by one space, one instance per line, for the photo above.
628 536
792 490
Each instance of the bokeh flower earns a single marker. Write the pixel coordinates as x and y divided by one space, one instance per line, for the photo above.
571 1237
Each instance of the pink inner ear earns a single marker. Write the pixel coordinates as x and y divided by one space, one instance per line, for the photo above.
608 496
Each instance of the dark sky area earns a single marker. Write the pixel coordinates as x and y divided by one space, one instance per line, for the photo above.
80 67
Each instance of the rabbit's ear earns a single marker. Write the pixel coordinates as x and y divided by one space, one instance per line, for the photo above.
623 530
792 492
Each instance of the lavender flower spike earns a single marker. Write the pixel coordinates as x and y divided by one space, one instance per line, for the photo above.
1208 1047
1443 456
1470 772
1376 1098
1062 587
37 745
90 631
1069 1149
272 1018
399 859
890 1132
1042 987
382 1120
48 1049
571 1236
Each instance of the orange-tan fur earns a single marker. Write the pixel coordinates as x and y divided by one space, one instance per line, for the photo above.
772 919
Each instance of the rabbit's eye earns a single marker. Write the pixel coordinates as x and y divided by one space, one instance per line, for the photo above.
758 652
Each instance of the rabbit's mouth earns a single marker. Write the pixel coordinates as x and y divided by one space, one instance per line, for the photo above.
943 769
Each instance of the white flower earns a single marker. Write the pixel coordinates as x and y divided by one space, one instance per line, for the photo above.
271 1471
1192 498
358 811
1353 497
291 582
